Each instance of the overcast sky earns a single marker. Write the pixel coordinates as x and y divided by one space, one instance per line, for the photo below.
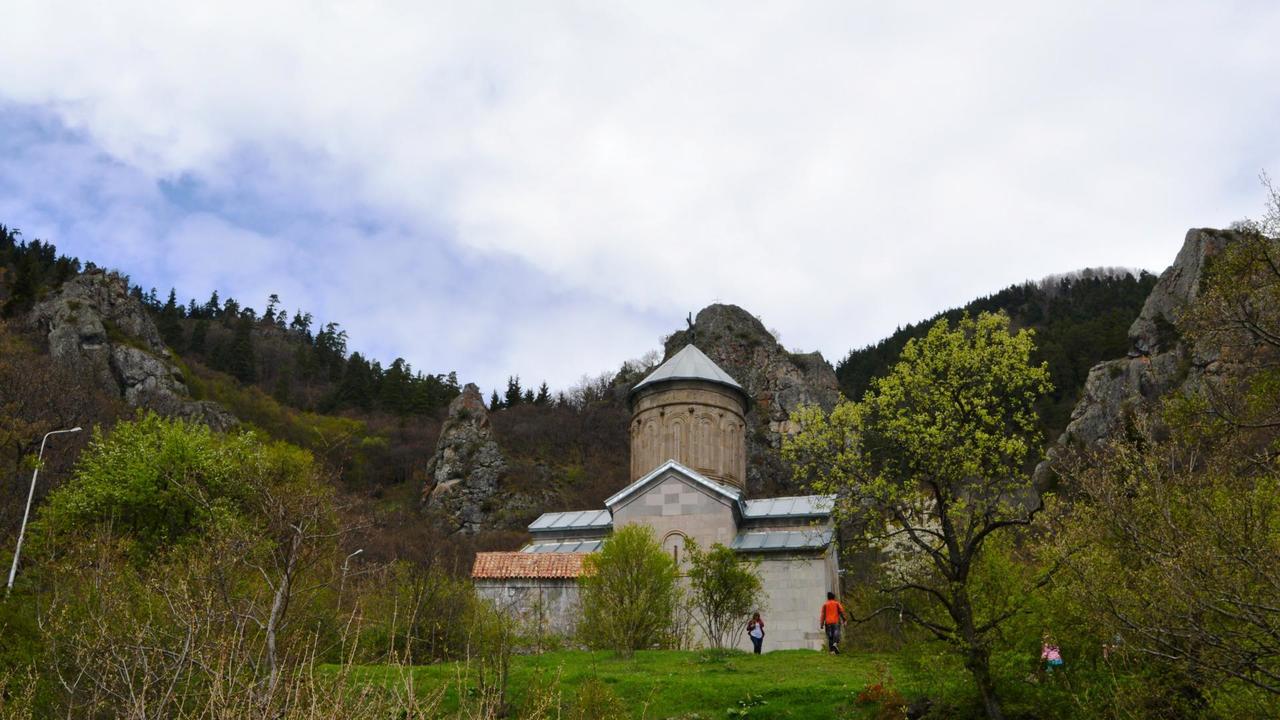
547 188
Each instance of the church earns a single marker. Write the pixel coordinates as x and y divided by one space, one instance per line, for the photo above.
688 480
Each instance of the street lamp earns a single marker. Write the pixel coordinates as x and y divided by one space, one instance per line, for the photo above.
13 570
342 582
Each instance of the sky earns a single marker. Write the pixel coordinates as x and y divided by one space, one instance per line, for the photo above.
546 189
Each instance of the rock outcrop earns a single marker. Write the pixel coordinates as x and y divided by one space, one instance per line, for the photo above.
1159 361
464 472
777 381
91 322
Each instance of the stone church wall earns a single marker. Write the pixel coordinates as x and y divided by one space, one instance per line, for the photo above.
541 606
676 509
795 587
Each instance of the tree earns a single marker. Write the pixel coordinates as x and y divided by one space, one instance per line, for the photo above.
1180 517
936 457
241 360
514 394
222 542
1174 550
170 321
544 395
724 590
629 592
495 403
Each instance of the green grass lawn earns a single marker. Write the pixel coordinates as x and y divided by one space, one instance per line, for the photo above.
688 684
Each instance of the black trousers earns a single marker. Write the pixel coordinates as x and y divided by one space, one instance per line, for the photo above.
757 642
833 637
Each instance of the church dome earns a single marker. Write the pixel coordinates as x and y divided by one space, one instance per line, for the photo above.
688 364
691 411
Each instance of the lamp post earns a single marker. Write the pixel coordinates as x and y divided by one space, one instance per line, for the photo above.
13 570
342 581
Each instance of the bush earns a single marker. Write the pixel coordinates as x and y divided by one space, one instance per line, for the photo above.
629 593
724 590
597 701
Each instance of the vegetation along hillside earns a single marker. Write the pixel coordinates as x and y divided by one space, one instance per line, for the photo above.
1080 319
245 528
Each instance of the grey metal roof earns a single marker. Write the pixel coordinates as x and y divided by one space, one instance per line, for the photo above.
689 364
574 520
777 540
788 507
563 546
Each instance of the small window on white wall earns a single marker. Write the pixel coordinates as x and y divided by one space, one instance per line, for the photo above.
672 542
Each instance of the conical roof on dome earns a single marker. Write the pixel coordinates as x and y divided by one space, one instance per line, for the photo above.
689 364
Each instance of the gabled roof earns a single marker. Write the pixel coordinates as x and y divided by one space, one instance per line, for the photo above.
573 520
801 506
729 492
527 565
689 364
782 540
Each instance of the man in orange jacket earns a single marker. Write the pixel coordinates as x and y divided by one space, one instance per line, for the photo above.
829 619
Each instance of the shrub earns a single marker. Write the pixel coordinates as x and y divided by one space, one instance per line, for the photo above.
724 590
629 593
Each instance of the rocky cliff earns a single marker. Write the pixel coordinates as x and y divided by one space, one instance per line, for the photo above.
464 472
1159 361
777 381
92 323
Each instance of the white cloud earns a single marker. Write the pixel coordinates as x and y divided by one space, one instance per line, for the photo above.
554 183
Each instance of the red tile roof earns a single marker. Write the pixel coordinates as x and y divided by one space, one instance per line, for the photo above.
527 565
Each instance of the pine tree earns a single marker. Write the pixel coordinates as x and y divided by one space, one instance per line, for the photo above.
544 395
241 362
514 394
198 335
213 307
495 403
170 324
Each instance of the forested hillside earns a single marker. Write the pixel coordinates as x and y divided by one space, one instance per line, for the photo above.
1080 319
204 571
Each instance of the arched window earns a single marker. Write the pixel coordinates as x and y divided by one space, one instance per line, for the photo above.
673 542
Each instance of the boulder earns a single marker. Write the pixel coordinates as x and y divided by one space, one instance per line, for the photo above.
91 322
1159 360
776 380
464 472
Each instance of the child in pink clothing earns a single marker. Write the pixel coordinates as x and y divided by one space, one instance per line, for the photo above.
1050 653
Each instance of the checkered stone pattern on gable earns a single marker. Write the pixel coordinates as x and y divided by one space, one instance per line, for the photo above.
527 565
671 498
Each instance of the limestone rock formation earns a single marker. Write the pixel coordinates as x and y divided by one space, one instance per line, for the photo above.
1158 361
777 381
464 472
93 323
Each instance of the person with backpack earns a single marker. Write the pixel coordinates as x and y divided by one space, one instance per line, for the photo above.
830 618
755 631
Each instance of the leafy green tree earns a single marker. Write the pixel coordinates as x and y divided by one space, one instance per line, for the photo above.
172 544
1179 519
724 590
933 460
629 592
162 481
